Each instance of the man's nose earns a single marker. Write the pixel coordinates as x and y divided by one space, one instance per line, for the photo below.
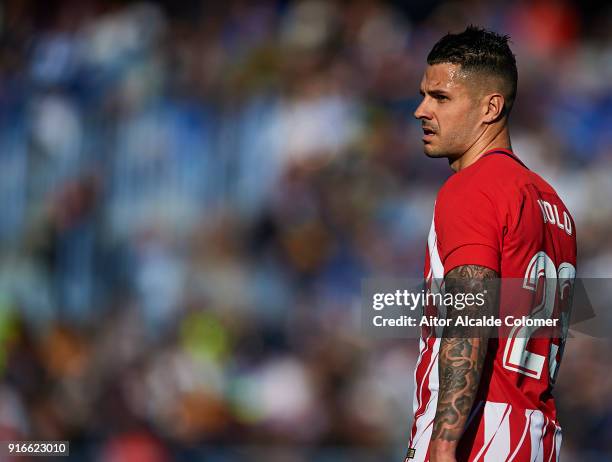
421 111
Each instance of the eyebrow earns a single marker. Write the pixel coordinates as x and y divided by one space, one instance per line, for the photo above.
434 93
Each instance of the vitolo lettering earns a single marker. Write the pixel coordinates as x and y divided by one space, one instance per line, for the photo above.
551 215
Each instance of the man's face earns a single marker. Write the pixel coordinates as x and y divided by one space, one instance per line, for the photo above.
449 113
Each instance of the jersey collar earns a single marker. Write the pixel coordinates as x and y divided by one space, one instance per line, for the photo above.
505 152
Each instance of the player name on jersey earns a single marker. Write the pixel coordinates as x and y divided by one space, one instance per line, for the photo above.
550 213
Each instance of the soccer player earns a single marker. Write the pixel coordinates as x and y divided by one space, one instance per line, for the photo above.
482 398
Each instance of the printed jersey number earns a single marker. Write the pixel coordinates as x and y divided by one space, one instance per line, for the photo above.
541 275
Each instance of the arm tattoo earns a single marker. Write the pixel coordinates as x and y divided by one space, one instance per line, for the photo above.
461 360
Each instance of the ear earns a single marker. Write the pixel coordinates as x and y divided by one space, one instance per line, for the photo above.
494 107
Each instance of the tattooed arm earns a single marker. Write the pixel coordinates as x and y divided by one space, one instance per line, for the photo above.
461 359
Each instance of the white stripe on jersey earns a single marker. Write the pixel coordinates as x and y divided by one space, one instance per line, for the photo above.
424 420
536 431
437 268
554 445
496 422
528 415
422 446
558 439
500 439
418 387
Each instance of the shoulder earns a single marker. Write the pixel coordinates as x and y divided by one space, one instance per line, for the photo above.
471 186
495 178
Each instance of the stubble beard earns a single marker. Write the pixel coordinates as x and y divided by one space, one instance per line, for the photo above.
434 153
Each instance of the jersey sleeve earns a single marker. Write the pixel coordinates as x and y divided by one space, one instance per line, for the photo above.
467 229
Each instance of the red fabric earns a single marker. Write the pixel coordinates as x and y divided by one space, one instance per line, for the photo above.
497 213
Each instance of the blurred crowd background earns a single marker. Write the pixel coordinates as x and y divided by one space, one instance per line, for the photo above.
191 193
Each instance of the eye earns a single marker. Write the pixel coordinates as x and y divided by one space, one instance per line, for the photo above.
441 97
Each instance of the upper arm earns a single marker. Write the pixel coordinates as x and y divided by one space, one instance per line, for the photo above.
483 283
470 275
471 279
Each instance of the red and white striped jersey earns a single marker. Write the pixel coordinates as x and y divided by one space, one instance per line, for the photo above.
497 213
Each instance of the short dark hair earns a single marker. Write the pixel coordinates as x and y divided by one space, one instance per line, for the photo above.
479 50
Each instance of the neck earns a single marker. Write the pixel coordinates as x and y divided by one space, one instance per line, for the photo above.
500 139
